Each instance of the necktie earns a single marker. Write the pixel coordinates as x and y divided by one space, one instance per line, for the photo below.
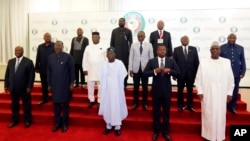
17 64
140 48
161 34
185 52
162 64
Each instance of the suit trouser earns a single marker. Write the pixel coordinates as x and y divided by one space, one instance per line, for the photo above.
78 68
180 98
61 113
232 103
159 103
44 83
91 91
15 107
136 78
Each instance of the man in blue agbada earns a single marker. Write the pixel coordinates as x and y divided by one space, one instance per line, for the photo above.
60 76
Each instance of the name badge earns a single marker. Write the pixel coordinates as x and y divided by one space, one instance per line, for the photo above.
160 41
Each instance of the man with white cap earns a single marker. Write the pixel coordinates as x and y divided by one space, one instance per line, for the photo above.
215 83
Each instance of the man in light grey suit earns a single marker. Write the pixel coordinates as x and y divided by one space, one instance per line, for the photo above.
140 53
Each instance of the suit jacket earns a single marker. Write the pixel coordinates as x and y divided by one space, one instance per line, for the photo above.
78 54
23 78
42 56
161 85
135 58
154 36
187 66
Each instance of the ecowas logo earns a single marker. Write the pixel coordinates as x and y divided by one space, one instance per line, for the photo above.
135 22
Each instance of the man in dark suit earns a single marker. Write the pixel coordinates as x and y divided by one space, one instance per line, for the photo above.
60 76
161 68
187 59
121 40
78 45
43 52
19 79
161 36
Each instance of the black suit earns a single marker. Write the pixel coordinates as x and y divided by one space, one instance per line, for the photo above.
161 92
43 52
154 36
188 68
17 83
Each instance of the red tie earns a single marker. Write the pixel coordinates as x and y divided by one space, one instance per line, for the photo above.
161 34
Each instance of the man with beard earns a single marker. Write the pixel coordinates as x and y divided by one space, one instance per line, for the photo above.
121 40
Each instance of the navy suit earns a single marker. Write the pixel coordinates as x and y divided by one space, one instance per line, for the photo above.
153 39
161 92
17 83
188 68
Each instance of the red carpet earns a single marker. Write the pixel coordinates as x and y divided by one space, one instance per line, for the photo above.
86 125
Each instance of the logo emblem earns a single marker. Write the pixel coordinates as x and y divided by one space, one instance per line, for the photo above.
64 31
183 20
54 22
113 21
135 22
233 29
84 21
196 29
34 31
222 19
222 39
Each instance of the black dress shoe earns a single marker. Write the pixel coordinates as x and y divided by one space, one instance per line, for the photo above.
191 109
166 137
91 104
27 124
180 109
117 132
43 102
12 124
77 85
155 136
56 127
106 131
64 128
233 111
145 107
134 106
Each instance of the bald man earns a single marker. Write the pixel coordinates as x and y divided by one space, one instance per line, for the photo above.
160 36
19 79
43 52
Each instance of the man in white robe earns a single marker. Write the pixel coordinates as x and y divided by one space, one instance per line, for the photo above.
215 83
113 105
94 55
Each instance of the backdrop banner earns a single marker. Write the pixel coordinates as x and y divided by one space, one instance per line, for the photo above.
202 26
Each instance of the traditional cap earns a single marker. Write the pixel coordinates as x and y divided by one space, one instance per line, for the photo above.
95 33
111 49
215 43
